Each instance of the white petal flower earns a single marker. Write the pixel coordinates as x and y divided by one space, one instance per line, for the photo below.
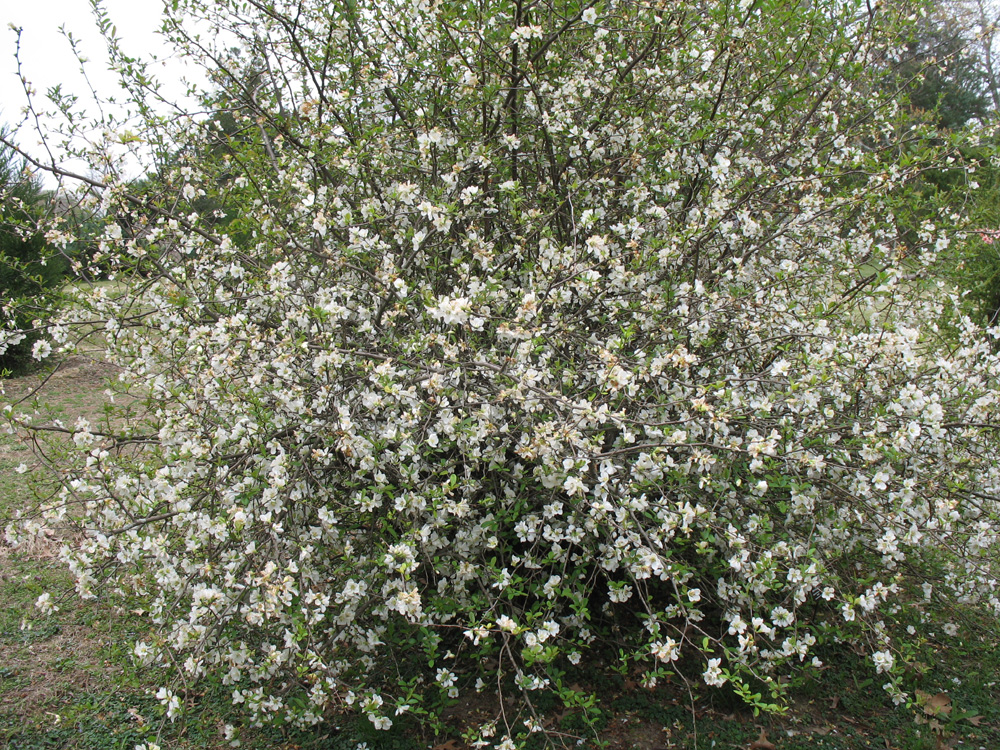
45 605
884 661
41 349
713 674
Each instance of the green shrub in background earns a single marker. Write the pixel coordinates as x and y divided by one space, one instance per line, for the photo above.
972 190
542 342
979 262
30 270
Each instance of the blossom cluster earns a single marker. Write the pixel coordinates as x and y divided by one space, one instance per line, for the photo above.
527 338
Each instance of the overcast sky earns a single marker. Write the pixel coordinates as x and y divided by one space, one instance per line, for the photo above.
46 58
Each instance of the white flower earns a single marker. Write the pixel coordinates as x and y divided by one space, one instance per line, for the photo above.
589 15
884 661
548 629
406 192
44 603
41 349
506 624
477 634
407 603
82 435
526 32
381 723
666 651
450 310
549 589
619 592
169 699
713 674
445 678
782 617
897 695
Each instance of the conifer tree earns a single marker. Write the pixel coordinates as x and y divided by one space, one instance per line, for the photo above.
29 271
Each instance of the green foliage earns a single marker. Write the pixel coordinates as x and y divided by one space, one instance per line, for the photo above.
978 266
942 74
29 270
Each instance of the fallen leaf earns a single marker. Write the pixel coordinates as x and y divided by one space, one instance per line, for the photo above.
974 720
935 705
761 743
834 702
449 745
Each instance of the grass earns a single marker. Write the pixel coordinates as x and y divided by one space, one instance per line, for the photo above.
69 682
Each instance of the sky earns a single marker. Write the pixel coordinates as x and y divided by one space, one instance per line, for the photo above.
46 58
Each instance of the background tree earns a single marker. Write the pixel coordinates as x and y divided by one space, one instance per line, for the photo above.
943 71
977 258
950 76
978 21
30 270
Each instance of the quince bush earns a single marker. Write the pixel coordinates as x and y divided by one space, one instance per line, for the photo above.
534 330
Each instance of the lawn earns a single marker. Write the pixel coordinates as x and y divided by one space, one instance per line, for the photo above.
68 681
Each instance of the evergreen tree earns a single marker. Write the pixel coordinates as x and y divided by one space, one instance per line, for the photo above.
943 74
29 271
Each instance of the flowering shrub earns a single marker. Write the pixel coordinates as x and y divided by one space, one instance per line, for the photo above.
534 332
